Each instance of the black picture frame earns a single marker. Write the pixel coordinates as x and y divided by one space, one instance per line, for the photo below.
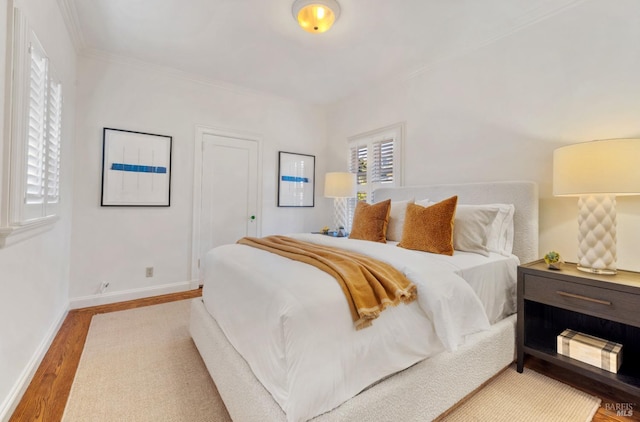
296 179
136 169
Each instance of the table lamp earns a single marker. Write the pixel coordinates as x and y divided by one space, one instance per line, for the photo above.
597 172
340 186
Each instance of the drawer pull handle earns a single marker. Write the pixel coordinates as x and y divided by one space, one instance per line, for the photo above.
588 299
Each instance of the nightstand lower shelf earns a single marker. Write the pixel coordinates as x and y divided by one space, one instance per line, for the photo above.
627 378
545 322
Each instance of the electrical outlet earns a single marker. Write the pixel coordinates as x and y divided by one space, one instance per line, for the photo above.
149 272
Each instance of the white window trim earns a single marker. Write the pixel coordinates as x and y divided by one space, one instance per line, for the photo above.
395 131
14 227
16 233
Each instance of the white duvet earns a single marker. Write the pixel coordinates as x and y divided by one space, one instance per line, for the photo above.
291 322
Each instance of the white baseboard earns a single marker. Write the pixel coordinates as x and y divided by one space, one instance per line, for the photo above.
124 295
11 402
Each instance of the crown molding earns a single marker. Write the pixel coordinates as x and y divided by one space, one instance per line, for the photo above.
70 17
171 72
526 20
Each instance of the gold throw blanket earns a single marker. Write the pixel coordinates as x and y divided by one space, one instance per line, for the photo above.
368 284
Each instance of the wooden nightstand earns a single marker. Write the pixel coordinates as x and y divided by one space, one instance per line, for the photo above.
603 306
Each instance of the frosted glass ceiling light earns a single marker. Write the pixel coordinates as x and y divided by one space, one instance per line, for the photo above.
597 172
316 16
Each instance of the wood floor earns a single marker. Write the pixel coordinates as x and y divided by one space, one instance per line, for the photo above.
47 394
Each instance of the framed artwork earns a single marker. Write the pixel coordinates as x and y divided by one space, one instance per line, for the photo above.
136 169
296 180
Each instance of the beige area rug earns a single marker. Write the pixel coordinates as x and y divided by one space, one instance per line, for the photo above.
141 365
526 397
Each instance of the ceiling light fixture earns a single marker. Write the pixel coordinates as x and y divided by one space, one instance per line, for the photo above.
316 16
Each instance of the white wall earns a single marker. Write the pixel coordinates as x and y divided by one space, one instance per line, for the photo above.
34 273
498 112
115 244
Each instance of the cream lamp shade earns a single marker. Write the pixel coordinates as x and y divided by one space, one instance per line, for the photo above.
316 16
607 167
340 186
597 172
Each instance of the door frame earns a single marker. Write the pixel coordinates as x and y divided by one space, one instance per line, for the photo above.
201 131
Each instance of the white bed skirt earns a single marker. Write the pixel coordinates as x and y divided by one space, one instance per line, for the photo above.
419 393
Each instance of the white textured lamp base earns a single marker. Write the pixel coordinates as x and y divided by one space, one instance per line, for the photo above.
340 213
597 234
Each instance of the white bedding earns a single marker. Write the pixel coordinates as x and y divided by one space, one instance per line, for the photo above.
493 278
291 322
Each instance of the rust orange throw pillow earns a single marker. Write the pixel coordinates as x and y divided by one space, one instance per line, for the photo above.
370 221
430 229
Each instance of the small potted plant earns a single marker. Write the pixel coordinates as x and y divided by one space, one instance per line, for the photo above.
553 260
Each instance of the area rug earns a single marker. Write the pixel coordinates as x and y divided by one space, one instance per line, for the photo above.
141 365
526 397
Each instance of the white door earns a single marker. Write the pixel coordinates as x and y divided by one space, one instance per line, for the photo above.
229 191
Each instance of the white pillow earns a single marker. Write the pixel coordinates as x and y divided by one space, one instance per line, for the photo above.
482 228
396 219
471 228
501 236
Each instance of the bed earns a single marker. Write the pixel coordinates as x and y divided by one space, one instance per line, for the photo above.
405 377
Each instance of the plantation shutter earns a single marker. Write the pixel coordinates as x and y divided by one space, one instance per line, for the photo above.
375 158
36 126
382 163
358 165
374 165
54 123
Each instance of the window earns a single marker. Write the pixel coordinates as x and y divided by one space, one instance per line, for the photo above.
36 128
377 160
42 143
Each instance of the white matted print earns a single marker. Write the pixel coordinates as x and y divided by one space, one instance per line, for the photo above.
136 169
296 180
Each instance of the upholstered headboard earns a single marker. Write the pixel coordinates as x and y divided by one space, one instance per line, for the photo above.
523 195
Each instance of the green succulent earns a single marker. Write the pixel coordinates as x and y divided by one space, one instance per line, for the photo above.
552 257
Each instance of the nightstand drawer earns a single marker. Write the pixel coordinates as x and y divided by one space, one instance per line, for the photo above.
602 302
